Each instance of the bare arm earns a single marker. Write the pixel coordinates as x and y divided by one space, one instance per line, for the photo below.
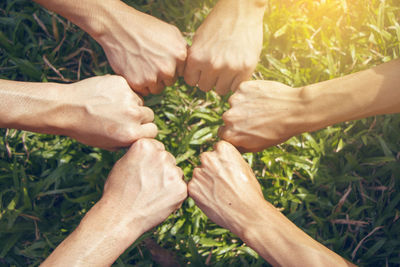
226 47
371 92
85 110
143 189
148 52
225 188
265 113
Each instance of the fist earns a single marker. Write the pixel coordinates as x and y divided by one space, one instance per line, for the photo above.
149 53
226 47
263 114
225 188
104 112
145 186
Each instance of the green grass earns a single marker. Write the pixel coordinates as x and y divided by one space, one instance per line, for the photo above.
341 184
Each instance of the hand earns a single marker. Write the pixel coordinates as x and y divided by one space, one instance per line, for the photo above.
145 186
104 112
226 47
148 52
263 114
225 188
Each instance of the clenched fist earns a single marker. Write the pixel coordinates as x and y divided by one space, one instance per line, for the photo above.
145 185
148 52
104 112
143 188
225 188
227 46
263 114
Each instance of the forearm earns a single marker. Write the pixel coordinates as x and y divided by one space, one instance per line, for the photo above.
93 16
282 243
371 92
99 240
250 9
31 106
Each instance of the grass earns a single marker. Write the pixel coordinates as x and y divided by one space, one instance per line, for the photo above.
341 184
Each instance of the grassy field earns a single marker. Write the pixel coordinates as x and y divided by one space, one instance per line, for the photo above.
341 185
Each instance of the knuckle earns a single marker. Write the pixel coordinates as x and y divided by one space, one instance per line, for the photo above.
150 80
223 146
196 172
248 65
205 157
228 116
182 188
195 58
146 111
119 79
192 187
152 131
167 157
182 53
133 113
168 72
233 99
145 144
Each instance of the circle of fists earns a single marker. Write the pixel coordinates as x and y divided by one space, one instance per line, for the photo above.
147 179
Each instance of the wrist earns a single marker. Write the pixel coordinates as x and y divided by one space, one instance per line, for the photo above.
263 217
337 100
114 20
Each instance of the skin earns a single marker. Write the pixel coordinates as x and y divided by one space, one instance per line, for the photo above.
226 47
142 190
265 113
148 52
85 111
226 190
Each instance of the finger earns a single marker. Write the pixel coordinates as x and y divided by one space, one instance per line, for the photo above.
169 158
205 158
198 174
227 133
191 74
146 115
180 68
148 130
137 88
224 83
137 98
207 81
157 144
167 80
224 147
143 91
234 99
159 87
153 88
181 63
221 131
238 80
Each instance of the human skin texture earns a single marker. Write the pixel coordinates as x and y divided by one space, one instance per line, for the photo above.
265 113
148 52
226 190
101 111
226 47
142 190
